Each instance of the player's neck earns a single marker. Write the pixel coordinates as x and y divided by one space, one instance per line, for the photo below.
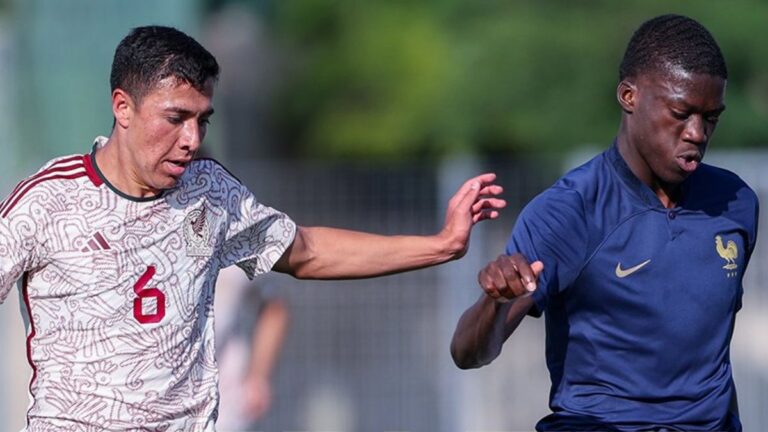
668 194
116 167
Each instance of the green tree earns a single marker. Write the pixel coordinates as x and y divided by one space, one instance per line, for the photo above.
416 79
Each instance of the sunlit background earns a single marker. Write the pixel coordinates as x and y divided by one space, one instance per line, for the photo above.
368 115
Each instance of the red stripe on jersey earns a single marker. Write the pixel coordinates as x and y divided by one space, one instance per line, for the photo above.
11 204
32 332
101 240
91 171
57 166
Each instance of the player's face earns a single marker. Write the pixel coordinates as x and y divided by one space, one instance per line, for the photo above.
166 130
674 114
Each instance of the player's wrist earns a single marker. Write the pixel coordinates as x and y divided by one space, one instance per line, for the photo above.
450 246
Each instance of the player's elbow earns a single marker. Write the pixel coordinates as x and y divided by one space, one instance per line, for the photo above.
462 361
301 258
465 357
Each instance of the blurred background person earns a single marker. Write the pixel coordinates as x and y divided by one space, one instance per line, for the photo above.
251 323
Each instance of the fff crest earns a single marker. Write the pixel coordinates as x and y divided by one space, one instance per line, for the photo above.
729 252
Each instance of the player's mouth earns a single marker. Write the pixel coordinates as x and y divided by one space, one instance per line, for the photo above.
176 167
689 161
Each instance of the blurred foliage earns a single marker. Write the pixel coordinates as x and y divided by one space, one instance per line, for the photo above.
421 79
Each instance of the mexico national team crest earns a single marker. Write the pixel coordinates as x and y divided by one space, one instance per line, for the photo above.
197 233
728 251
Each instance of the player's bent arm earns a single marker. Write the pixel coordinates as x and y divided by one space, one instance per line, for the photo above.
507 284
330 253
483 329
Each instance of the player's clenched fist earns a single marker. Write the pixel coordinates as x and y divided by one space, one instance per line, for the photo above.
508 277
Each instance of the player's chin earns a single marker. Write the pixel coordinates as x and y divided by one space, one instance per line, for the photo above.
166 182
677 176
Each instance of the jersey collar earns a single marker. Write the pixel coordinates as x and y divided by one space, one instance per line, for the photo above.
98 143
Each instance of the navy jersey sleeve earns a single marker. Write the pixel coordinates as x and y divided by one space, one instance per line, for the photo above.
552 228
754 212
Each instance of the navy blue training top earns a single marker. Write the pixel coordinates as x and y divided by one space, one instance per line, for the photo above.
639 300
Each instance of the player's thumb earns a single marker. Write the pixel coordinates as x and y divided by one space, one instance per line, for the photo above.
537 268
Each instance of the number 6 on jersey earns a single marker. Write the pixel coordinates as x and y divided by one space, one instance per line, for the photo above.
142 293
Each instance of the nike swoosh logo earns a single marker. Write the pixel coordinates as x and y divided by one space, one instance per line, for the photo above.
622 273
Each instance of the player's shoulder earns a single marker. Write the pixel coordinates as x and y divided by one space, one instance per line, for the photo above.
716 179
716 188
46 182
571 189
575 193
208 178
209 167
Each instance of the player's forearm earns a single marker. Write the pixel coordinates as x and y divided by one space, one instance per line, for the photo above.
483 328
476 340
328 253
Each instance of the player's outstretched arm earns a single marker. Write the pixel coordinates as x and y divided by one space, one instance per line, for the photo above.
330 253
507 283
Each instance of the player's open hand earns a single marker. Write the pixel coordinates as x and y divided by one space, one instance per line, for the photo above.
475 201
508 277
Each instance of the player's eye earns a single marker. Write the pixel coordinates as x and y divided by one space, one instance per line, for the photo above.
174 120
712 117
680 115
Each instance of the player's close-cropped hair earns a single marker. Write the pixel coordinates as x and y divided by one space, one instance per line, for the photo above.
152 53
672 40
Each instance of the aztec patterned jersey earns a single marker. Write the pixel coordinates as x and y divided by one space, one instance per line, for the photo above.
119 291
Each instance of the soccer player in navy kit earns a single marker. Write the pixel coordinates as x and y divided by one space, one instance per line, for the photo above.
637 257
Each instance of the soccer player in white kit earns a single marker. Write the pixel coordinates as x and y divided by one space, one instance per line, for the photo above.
117 251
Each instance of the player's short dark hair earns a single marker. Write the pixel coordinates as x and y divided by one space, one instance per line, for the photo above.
672 40
152 53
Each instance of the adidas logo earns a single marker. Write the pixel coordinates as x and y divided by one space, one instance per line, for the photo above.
96 243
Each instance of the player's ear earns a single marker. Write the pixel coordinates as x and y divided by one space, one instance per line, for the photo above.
626 94
122 107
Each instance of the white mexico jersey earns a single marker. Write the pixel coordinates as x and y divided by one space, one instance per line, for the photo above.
119 292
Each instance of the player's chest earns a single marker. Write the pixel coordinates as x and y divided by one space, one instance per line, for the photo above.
177 231
146 263
672 257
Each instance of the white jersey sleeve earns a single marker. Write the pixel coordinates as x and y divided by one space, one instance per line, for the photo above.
18 249
256 235
23 218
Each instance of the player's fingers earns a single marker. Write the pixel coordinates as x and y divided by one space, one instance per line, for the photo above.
514 284
470 190
478 182
537 268
486 203
493 189
485 214
485 178
527 274
486 284
490 279
465 202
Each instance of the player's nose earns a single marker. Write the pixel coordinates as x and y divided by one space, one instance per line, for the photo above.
192 136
